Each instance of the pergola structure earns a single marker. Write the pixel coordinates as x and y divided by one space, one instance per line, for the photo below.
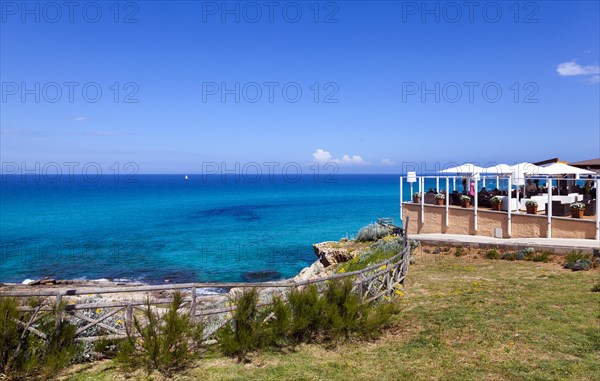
509 175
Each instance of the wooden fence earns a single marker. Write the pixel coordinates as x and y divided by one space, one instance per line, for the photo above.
98 319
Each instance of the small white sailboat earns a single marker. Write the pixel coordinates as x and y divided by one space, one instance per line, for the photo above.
186 177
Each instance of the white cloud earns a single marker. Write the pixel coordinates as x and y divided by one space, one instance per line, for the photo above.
355 159
595 79
572 68
322 156
81 118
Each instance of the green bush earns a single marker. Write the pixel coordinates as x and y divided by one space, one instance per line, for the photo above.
459 251
492 254
575 255
307 311
308 316
577 260
343 310
508 256
276 326
539 256
596 287
23 354
242 334
372 232
163 343
10 332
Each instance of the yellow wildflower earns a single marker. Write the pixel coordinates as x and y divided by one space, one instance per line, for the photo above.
98 310
399 293
383 267
119 321
342 270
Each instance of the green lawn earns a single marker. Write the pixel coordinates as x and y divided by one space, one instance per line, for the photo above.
463 319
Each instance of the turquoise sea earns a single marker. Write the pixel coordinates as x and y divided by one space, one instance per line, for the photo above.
154 228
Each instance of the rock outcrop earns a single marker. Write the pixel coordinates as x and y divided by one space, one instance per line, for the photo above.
331 253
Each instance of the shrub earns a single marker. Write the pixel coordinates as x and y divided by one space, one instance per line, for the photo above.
440 196
459 252
577 260
343 309
579 265
575 255
10 332
492 254
242 335
165 343
307 311
372 232
596 287
24 354
508 256
539 256
276 326
107 348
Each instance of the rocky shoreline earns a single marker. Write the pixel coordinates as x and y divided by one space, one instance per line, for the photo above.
328 254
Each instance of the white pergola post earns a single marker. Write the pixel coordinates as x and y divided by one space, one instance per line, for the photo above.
498 182
448 203
421 190
400 210
437 184
598 209
476 203
508 197
549 207
454 184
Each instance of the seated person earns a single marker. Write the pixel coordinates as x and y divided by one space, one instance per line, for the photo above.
531 189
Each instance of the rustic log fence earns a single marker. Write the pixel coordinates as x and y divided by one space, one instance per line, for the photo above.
109 320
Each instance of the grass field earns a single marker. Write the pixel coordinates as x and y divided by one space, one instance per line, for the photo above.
463 319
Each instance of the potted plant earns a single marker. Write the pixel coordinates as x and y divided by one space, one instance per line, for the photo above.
577 209
416 197
531 206
440 198
496 203
465 201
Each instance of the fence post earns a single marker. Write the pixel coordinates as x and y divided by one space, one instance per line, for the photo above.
58 310
406 256
129 319
193 306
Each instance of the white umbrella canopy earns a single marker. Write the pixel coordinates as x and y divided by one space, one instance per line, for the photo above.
498 170
563 169
465 169
521 170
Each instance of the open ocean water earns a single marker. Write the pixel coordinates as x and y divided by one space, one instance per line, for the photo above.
163 227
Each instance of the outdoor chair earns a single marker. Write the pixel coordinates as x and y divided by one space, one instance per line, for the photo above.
429 198
559 209
456 199
590 208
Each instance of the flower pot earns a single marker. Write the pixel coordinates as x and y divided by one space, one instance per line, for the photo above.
417 200
440 201
497 206
465 203
577 213
531 209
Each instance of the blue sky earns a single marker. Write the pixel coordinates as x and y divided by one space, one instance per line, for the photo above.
378 68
